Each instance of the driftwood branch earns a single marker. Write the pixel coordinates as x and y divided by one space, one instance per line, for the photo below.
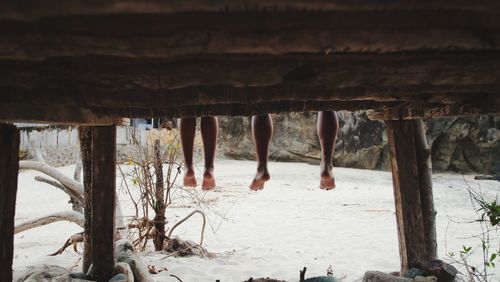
186 218
72 240
77 174
70 216
69 183
74 196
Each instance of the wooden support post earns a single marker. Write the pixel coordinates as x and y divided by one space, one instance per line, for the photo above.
103 201
85 136
412 191
424 164
9 168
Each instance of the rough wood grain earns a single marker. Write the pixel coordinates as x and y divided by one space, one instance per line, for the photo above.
103 201
9 164
405 176
29 9
424 165
92 83
168 36
85 138
54 114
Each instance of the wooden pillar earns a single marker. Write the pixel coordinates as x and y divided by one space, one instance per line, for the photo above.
85 136
424 164
411 174
9 168
103 182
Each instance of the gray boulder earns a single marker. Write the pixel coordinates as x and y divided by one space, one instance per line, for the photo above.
45 273
377 276
462 144
124 252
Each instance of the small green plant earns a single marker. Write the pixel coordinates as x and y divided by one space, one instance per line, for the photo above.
488 218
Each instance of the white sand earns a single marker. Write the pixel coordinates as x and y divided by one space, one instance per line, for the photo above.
274 232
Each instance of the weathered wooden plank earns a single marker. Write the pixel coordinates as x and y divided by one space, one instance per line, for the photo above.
103 201
144 83
405 176
85 138
29 9
9 167
172 35
54 114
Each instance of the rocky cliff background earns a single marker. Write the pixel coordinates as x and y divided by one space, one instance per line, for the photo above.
464 144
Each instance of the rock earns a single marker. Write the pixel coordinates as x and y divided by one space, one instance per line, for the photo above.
47 273
322 279
425 279
414 272
124 252
263 280
41 273
119 278
377 276
78 275
465 144
124 268
184 248
443 271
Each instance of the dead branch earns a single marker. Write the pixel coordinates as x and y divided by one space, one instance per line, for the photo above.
77 174
187 217
72 240
303 274
54 173
71 193
70 216
176 277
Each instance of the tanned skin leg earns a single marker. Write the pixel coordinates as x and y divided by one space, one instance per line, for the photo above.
187 127
327 132
209 129
262 130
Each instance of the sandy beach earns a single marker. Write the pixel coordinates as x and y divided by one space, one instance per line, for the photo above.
270 233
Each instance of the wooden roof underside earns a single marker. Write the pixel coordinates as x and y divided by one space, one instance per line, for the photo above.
66 61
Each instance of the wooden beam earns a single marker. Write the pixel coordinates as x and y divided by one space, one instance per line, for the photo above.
85 137
405 174
103 201
30 9
157 35
55 114
9 167
97 82
424 166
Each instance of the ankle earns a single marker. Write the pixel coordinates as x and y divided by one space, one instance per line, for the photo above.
189 169
262 167
209 168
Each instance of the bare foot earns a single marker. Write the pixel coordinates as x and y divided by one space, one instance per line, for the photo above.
327 182
189 179
260 178
208 180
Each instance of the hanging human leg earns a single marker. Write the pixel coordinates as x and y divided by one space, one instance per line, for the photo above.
327 132
262 130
